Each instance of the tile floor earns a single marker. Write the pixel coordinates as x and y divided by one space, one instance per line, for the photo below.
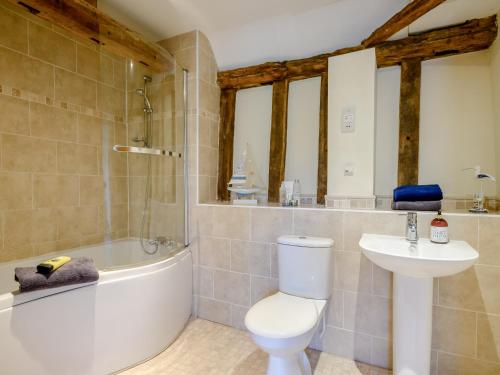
206 348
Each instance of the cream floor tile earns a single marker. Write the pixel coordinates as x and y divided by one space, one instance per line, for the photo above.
206 348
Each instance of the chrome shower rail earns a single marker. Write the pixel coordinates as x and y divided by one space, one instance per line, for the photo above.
146 150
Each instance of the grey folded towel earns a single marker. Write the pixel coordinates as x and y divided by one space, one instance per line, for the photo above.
77 271
417 206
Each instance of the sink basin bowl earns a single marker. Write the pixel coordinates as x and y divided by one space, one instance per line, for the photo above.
425 259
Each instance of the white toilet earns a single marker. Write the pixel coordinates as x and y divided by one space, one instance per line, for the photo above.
284 323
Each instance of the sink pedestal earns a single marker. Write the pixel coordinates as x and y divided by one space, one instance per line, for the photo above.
412 325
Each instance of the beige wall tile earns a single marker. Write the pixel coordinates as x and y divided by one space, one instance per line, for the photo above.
232 287
335 309
368 314
488 337
357 223
75 158
238 314
455 365
16 191
206 282
118 187
52 122
381 353
92 130
251 257
347 344
94 65
489 241
352 272
215 311
382 281
55 191
110 100
14 115
73 222
268 224
262 287
319 224
474 289
214 252
462 325
231 222
75 89
25 227
91 190
13 31
52 47
462 228
24 73
26 154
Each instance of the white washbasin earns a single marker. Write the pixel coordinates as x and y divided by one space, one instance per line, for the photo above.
425 259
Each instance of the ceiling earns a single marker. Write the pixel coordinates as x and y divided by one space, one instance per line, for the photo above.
244 32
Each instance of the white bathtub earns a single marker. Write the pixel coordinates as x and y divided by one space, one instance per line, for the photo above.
131 314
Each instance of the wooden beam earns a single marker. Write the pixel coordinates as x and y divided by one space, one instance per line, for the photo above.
474 35
226 140
409 120
323 141
402 19
88 22
471 36
266 74
277 148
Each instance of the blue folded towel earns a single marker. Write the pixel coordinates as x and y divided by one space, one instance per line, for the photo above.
415 193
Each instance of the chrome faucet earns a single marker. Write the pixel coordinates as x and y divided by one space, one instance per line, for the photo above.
411 227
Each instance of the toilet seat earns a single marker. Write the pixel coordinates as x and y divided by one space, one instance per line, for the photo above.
283 316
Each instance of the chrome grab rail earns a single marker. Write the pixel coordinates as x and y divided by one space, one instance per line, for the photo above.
146 150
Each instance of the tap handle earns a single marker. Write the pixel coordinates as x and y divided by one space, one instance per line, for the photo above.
412 218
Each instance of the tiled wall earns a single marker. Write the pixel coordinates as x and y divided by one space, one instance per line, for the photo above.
62 105
236 267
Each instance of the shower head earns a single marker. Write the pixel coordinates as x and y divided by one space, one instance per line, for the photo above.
147 103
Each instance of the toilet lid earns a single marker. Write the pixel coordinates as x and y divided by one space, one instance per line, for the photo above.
282 315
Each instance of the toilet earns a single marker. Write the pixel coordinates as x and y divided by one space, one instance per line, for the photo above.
283 324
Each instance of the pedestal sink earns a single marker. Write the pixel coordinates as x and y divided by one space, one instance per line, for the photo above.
414 267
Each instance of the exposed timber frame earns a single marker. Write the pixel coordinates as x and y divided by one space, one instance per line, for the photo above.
226 138
277 146
471 36
82 18
409 120
402 19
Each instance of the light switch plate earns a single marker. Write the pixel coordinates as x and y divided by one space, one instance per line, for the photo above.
348 120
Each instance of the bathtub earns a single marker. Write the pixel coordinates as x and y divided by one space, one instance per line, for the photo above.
138 307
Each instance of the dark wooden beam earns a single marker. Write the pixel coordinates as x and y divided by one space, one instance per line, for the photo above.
323 141
471 36
474 35
402 19
266 74
85 20
277 148
409 121
226 140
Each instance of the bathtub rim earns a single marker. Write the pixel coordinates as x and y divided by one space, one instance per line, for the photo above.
15 298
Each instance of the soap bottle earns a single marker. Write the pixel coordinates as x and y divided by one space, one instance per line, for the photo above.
283 197
439 229
296 193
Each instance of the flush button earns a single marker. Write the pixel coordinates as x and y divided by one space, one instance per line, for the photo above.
302 237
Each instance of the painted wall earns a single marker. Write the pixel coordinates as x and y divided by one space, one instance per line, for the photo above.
352 84
252 126
303 134
456 124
